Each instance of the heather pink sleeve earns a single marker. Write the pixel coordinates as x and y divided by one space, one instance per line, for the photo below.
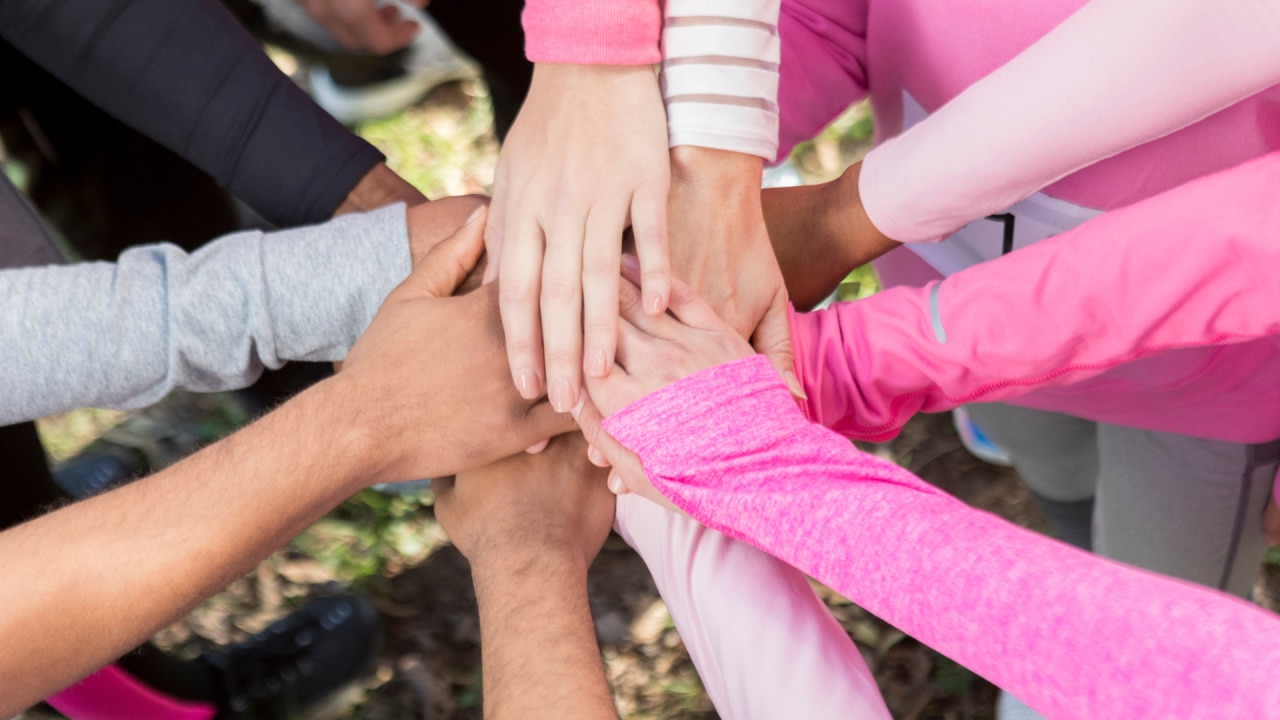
1072 634
592 32
1192 267
1116 74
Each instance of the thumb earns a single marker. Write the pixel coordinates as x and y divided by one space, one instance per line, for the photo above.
773 339
447 264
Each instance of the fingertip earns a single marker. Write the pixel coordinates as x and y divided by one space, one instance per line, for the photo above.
616 485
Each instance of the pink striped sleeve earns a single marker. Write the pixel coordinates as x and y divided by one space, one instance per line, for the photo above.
1072 634
592 32
1188 269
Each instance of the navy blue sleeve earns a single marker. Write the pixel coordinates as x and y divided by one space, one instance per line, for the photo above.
188 75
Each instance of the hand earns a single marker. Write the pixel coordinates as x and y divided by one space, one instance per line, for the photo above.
721 248
550 505
820 233
653 352
587 155
427 381
530 526
380 187
363 25
434 222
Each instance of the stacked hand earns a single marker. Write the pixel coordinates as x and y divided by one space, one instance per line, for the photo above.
587 157
424 362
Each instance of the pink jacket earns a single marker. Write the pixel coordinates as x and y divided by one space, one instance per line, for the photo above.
1161 316
1072 634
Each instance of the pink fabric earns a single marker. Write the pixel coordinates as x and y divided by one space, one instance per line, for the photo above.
1159 316
1072 634
1118 74
765 646
592 32
111 694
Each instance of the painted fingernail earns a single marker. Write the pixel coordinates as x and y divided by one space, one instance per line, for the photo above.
562 395
653 305
794 384
527 383
475 215
597 364
616 486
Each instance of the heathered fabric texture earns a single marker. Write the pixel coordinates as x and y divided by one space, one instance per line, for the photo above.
124 334
1072 634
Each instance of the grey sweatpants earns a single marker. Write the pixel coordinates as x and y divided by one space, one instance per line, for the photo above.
1178 505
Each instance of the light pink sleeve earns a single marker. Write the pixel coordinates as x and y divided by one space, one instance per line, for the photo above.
1114 75
1190 268
592 32
795 661
1072 634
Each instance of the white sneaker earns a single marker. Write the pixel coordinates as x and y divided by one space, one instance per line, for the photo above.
1009 707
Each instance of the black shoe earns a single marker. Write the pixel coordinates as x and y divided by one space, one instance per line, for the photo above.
298 663
97 471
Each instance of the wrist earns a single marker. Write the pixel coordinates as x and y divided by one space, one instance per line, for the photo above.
718 168
380 187
844 218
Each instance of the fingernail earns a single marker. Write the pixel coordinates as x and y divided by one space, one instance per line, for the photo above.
475 214
597 364
561 395
577 409
653 305
793 383
594 456
616 486
527 384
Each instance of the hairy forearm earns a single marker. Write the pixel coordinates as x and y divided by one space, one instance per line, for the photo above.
100 576
538 643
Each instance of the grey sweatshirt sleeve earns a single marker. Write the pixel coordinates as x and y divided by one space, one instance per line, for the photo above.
123 335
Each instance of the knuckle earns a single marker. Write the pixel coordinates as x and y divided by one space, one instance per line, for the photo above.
560 359
600 265
513 293
559 291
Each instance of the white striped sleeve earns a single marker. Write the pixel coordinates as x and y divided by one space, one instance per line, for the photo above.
720 74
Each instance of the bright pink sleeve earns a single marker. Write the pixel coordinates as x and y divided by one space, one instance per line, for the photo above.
1116 74
1072 634
592 32
1190 268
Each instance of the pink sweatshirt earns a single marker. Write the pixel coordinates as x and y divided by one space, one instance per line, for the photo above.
1161 316
1072 634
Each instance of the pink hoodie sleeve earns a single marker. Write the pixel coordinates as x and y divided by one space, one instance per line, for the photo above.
1116 74
1190 268
592 32
1072 634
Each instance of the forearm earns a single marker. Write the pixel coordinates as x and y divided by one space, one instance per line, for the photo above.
714 586
820 233
1138 82
187 75
944 572
538 645
1047 316
125 334
92 580
378 188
